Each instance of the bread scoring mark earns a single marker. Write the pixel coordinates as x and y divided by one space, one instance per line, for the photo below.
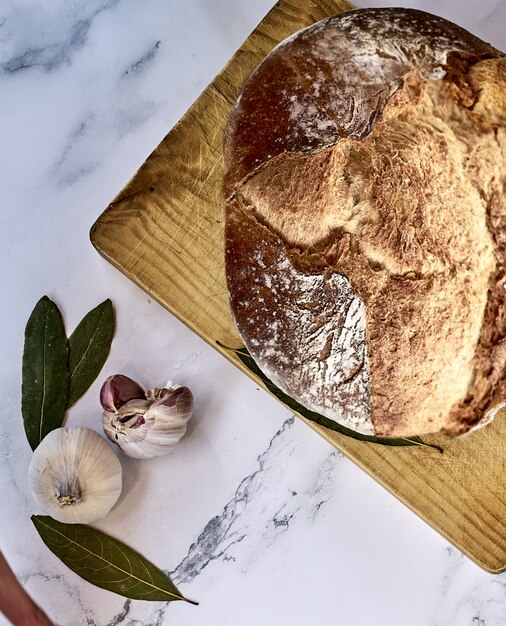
349 65
391 229
340 80
306 331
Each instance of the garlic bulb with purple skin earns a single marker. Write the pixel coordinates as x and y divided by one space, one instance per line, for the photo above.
142 423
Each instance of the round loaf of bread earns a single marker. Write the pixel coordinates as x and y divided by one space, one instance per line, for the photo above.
365 184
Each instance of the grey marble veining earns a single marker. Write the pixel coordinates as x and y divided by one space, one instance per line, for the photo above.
65 36
264 505
140 64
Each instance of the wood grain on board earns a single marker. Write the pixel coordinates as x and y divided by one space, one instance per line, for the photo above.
165 231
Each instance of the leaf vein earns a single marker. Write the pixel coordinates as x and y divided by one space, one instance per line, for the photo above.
112 565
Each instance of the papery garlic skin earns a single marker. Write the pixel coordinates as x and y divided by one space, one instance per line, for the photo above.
75 476
147 426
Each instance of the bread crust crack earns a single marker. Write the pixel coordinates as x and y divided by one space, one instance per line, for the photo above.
366 255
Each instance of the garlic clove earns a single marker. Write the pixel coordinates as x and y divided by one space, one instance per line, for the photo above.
74 475
144 449
144 429
127 419
117 390
176 404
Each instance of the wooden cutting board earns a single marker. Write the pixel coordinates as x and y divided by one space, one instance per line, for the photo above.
164 230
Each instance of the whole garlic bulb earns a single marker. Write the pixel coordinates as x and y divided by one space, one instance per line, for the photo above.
74 475
142 423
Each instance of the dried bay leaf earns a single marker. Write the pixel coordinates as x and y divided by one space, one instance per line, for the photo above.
89 347
45 377
249 362
106 562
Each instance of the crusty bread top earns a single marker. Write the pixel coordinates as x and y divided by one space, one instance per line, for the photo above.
332 80
365 246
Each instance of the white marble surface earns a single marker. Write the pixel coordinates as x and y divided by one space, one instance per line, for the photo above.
255 516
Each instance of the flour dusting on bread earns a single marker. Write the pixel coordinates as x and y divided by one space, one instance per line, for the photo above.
365 247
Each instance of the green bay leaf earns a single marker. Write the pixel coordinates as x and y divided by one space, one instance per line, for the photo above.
106 562
45 377
89 347
249 362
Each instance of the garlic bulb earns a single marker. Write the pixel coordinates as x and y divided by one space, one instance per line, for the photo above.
75 476
144 424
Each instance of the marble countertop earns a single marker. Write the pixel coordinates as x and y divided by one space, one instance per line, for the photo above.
254 515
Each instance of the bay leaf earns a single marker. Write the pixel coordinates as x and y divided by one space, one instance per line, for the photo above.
106 562
89 347
45 377
249 362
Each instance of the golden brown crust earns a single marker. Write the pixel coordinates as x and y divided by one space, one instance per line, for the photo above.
308 328
333 79
387 170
